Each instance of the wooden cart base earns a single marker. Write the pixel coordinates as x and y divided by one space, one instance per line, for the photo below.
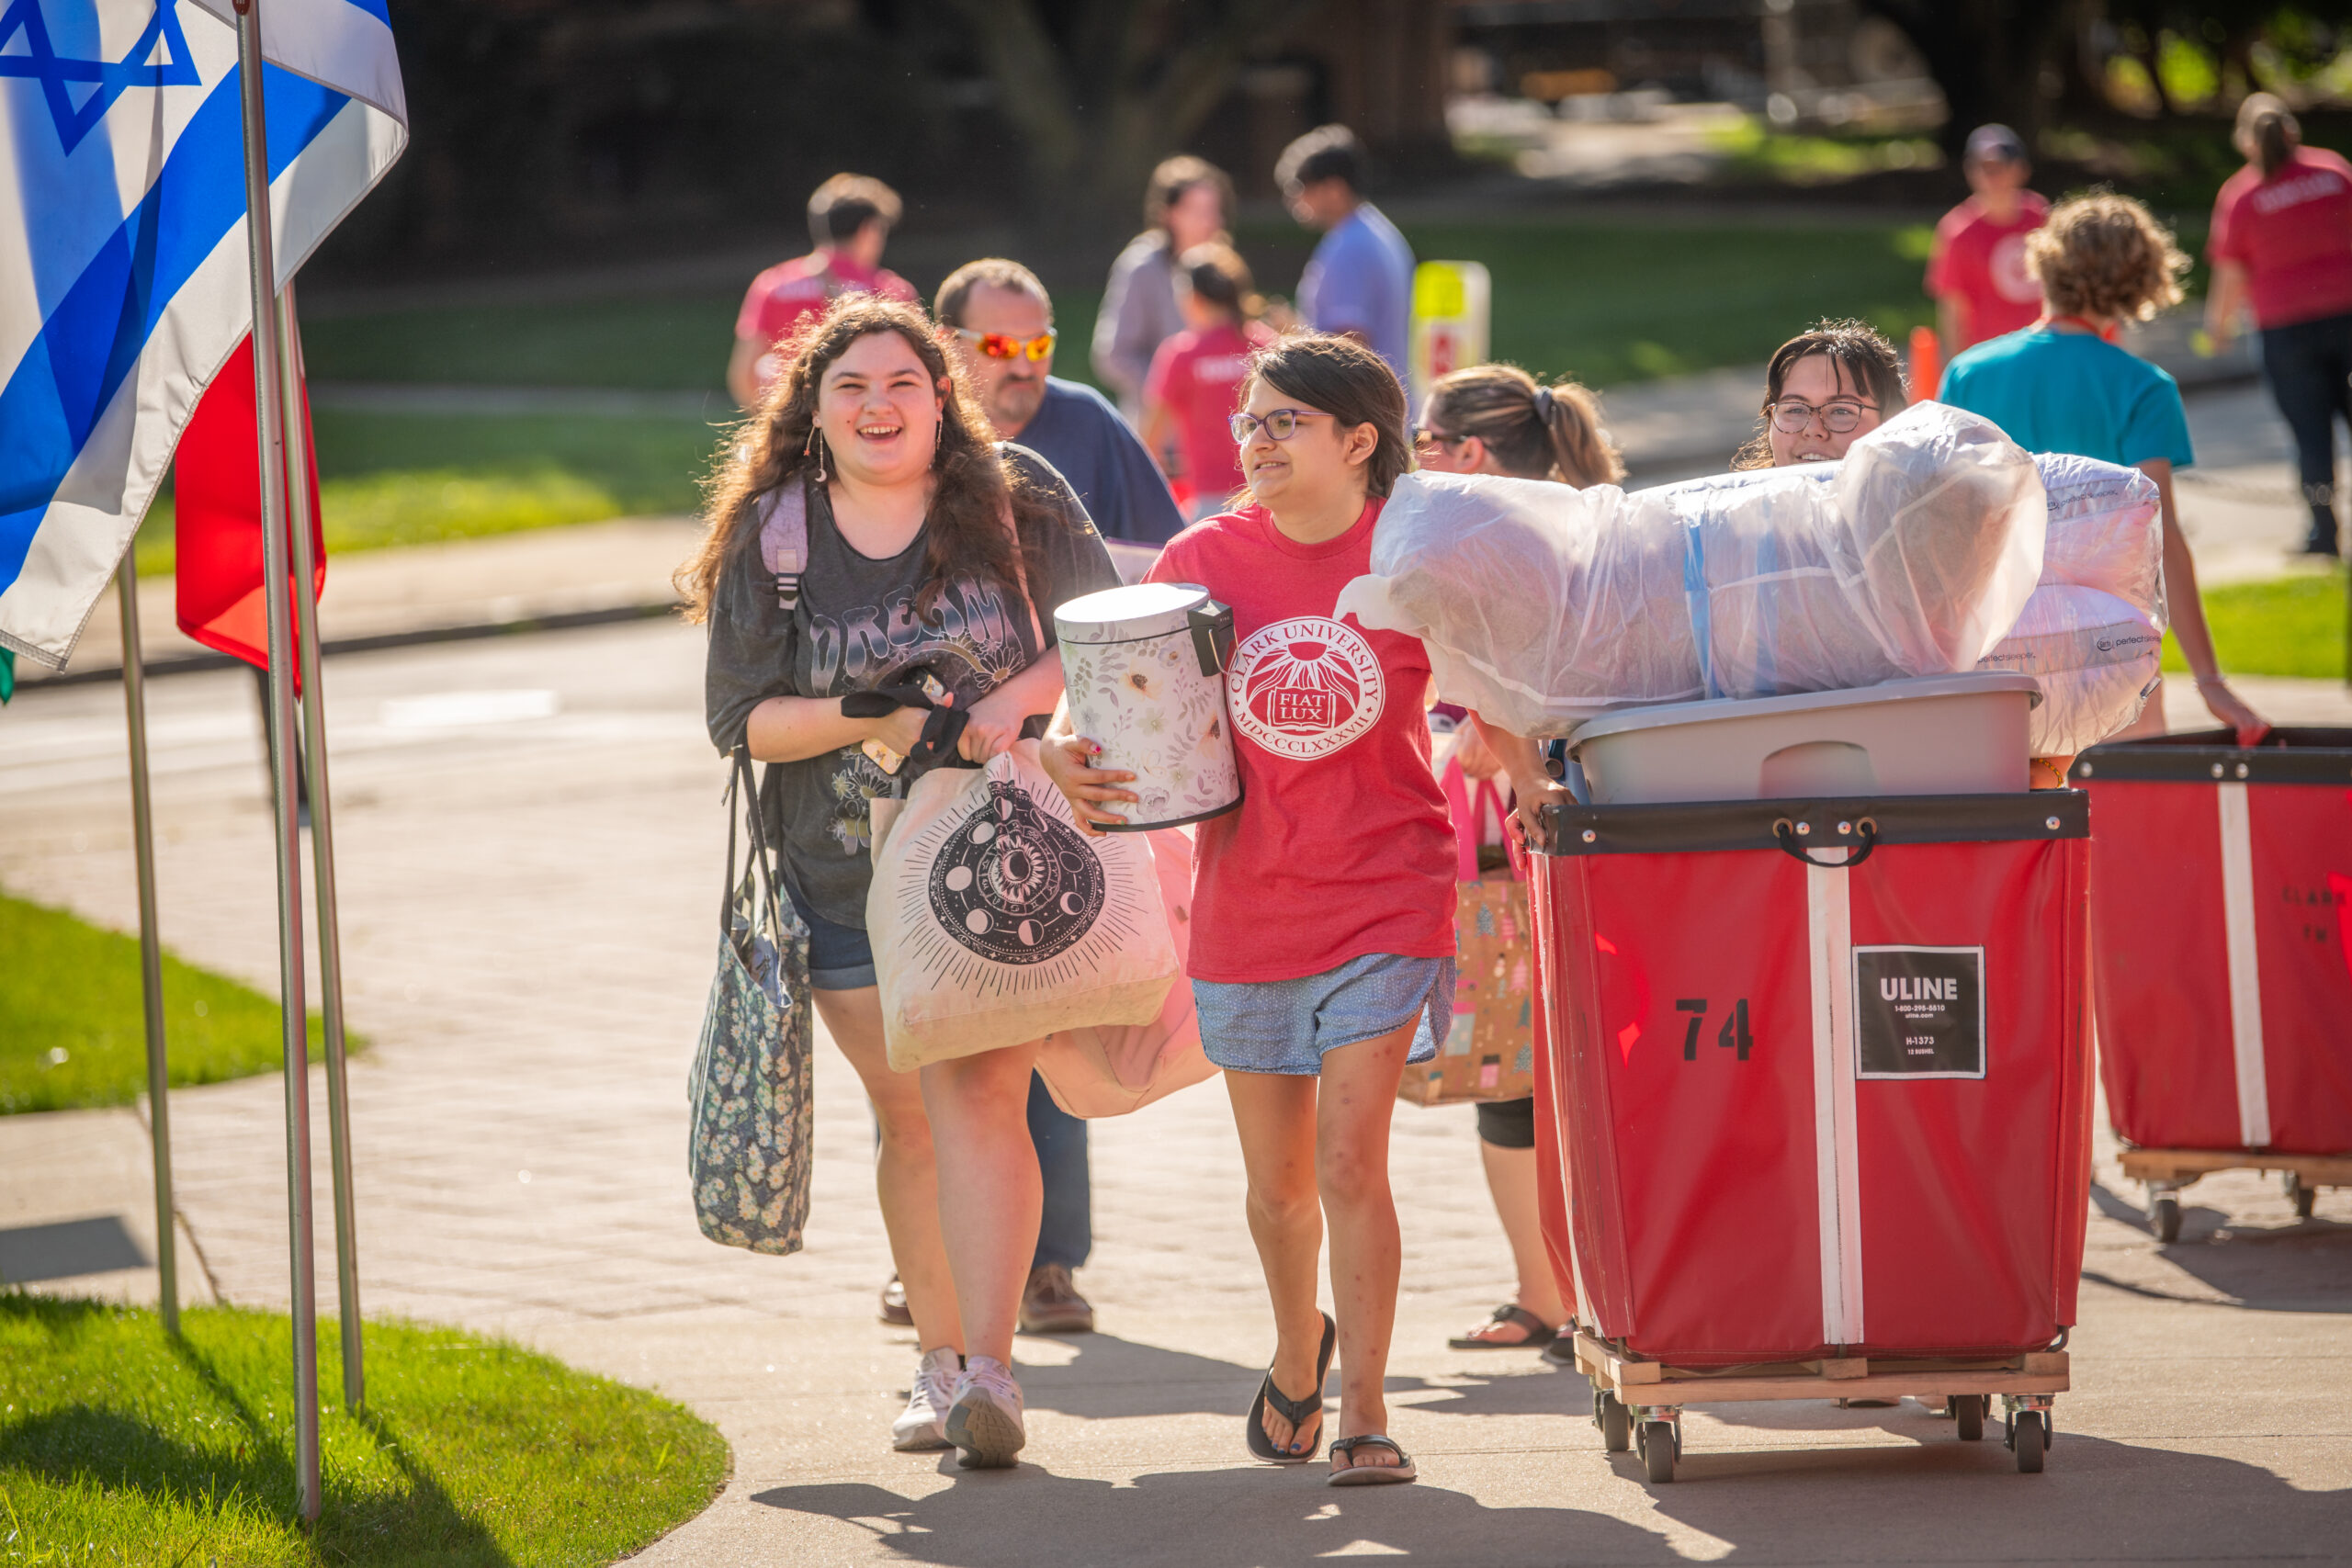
1638 1404
2167 1171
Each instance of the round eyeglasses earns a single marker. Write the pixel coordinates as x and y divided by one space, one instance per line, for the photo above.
1280 425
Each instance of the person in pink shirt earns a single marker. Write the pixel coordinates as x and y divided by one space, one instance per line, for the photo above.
1323 948
2281 242
850 218
1976 272
1194 383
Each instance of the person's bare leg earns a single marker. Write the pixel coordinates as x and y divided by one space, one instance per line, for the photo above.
1358 1098
906 1178
989 1194
1274 1113
1510 1179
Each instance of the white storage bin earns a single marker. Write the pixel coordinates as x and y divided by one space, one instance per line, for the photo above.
1936 735
1145 669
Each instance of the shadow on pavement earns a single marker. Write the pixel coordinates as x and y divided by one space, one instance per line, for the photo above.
2295 1267
68 1248
1113 1376
1242 1517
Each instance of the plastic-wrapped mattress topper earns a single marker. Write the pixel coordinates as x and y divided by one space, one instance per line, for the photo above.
2093 631
1544 606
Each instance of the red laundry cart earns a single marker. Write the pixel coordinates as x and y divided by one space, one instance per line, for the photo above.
2221 957
1821 1071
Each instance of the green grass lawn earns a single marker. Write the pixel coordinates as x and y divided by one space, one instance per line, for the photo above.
119 1445
2290 625
73 1028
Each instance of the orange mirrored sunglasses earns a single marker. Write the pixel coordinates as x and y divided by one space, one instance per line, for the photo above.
1003 345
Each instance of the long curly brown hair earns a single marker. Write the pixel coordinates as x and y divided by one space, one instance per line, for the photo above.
974 486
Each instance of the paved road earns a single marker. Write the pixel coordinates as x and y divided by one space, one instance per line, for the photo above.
530 835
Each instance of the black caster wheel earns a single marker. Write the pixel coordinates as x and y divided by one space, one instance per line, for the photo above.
1968 1414
1616 1424
1659 1442
2163 1217
2029 1437
2300 1195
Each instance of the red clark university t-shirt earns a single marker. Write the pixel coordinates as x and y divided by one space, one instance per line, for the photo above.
2293 234
1341 846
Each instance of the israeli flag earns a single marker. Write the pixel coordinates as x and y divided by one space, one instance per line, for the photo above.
124 281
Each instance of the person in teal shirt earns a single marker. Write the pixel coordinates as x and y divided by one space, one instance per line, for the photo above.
2061 385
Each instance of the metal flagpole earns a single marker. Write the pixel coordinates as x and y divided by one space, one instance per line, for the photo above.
151 944
314 752
294 1016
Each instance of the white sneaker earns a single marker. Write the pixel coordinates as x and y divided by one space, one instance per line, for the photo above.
925 1423
985 1423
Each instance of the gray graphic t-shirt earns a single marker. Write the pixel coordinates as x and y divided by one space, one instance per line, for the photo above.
856 630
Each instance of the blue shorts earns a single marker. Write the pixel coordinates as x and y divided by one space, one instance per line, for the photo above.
840 957
1284 1026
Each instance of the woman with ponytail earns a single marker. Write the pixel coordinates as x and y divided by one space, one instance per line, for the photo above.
932 552
1195 382
2283 243
1497 419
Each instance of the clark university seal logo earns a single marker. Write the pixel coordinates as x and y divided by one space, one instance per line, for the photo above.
1014 884
1305 687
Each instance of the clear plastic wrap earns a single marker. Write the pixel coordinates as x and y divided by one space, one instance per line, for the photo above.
1544 606
2093 632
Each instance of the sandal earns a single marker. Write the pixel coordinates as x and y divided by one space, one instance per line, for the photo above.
1295 1411
1539 1333
1371 1474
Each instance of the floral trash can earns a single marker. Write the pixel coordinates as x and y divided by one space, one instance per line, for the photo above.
1145 669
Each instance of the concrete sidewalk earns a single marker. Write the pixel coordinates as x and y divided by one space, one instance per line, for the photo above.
530 834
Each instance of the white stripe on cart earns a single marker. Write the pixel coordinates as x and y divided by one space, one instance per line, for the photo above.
2246 975
1836 1166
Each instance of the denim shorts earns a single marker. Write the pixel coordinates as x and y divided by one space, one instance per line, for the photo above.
840 957
1284 1026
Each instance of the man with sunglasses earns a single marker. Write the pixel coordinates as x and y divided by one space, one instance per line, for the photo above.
997 318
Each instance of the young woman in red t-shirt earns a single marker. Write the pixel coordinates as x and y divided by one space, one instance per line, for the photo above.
1322 956
1195 378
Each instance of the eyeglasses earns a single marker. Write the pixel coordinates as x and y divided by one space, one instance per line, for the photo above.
1794 416
1424 438
1280 425
1003 345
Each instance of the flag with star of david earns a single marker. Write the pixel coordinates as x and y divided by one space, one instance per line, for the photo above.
124 283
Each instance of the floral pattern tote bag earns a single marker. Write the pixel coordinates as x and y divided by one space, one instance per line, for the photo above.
753 1091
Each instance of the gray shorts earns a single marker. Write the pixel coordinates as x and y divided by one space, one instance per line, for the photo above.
1284 1026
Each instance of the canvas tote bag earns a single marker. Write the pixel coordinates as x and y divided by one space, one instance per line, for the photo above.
751 1095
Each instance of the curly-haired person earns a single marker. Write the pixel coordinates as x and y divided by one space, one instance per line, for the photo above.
2062 385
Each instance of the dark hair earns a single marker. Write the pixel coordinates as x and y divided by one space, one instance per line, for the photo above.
995 272
846 203
1349 382
1218 275
769 448
1176 175
1860 352
1535 432
1326 152
2266 132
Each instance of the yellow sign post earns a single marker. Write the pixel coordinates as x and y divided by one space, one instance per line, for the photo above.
1452 305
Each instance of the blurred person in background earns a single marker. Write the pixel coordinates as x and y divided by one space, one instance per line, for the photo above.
1359 283
850 218
1195 379
1976 272
1829 384
2064 386
1189 203
1497 419
2283 243
998 321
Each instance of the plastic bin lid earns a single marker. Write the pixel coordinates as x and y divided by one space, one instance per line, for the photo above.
1715 709
1127 615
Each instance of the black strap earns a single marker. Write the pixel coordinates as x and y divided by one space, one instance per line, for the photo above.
743 801
1865 830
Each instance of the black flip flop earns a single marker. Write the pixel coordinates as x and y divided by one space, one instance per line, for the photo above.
1539 1333
1295 1411
1372 1474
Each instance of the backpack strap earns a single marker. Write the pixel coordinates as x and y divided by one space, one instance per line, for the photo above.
784 539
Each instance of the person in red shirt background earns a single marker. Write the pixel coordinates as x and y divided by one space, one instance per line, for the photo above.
1323 947
1194 383
2282 242
1976 272
850 218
